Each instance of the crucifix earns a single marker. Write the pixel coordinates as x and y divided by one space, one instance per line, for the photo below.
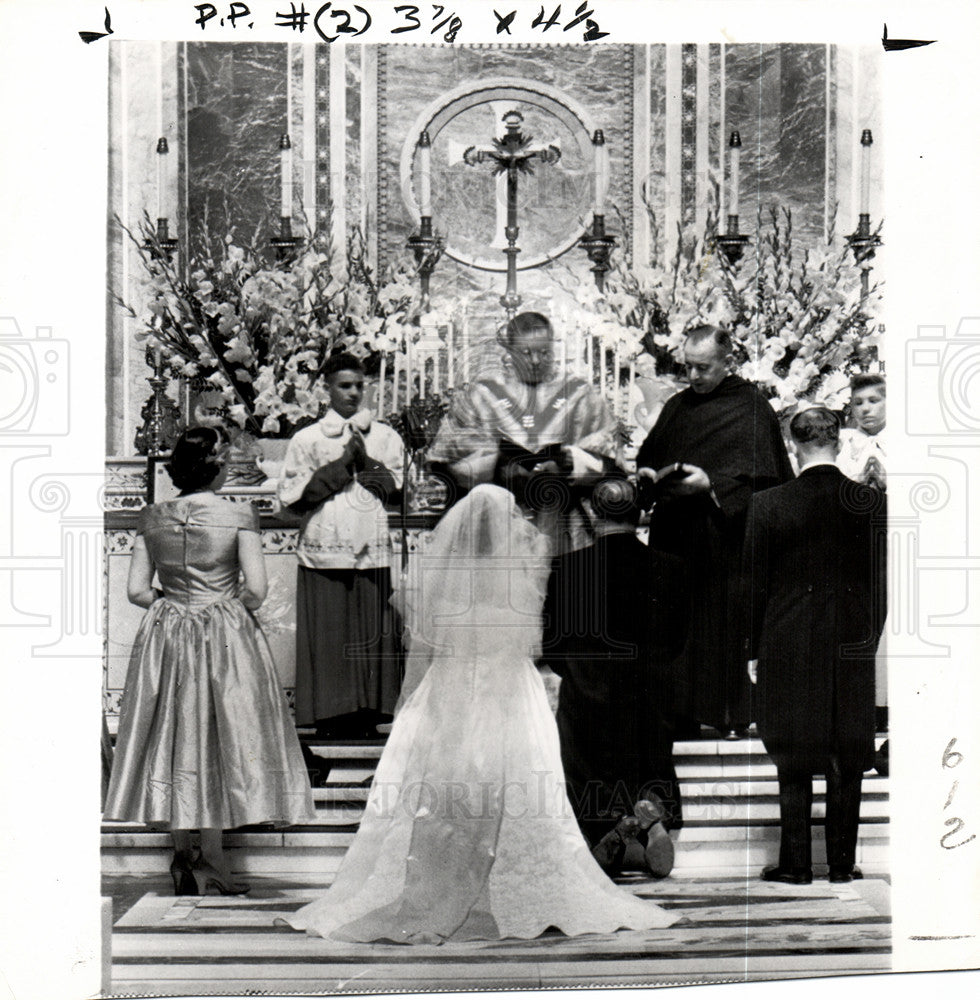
511 155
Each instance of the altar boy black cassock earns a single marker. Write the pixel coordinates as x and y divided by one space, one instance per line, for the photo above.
613 621
814 586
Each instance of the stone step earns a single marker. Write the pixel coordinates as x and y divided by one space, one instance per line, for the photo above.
748 799
701 850
731 810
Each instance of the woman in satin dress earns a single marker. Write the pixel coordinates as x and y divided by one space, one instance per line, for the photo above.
205 739
468 833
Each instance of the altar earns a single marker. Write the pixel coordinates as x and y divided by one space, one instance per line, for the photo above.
402 203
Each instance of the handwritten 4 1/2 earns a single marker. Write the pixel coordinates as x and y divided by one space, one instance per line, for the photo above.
952 758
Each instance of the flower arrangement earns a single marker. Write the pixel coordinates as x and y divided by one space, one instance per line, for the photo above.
260 334
800 323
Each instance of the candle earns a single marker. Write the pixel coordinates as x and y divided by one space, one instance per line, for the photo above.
286 163
409 374
588 355
601 169
396 381
450 354
734 145
466 347
425 174
865 203
617 390
381 386
631 390
163 178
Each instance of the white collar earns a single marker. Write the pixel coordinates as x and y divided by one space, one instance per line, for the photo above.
333 424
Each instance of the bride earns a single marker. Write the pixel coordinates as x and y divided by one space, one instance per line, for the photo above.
468 833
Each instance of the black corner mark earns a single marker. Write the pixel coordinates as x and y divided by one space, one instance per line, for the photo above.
897 44
93 36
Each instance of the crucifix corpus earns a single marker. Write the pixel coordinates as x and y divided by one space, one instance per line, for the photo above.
512 155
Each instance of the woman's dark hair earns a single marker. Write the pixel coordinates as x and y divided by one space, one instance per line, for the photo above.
196 459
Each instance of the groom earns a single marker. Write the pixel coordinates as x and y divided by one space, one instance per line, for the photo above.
611 629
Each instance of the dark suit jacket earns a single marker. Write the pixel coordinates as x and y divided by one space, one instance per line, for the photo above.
813 586
614 619
613 606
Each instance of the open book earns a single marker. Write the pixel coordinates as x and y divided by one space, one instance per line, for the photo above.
669 474
513 453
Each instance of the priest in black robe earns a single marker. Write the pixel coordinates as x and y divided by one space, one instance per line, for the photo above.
725 437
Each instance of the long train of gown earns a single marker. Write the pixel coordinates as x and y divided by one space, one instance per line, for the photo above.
468 832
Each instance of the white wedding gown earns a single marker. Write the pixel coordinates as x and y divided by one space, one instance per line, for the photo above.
468 833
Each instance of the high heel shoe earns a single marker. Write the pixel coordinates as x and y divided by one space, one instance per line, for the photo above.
207 877
181 871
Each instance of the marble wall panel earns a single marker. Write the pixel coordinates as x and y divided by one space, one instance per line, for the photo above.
354 179
655 188
236 111
776 98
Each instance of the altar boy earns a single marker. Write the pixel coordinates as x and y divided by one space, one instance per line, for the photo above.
339 474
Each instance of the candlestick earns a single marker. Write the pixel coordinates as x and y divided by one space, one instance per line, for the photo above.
162 177
865 202
425 174
598 245
734 146
286 164
601 167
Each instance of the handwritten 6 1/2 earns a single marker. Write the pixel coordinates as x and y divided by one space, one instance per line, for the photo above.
952 758
332 22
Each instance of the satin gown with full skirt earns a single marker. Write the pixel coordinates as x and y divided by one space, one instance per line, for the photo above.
468 832
205 738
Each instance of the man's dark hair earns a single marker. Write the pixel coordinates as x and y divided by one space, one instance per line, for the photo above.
816 426
343 362
524 323
196 460
866 380
721 337
614 498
